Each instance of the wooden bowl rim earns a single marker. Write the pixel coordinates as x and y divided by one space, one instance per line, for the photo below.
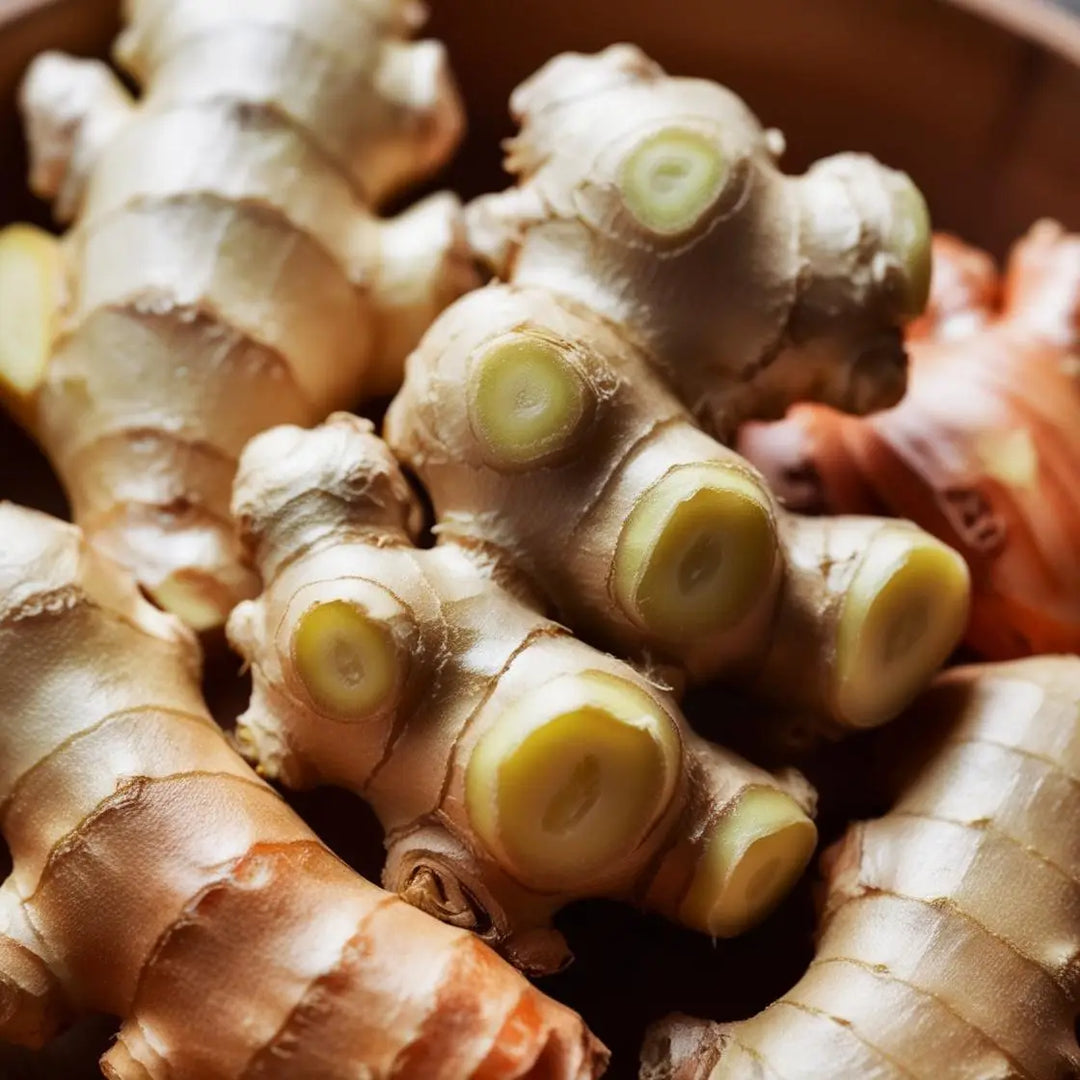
1039 21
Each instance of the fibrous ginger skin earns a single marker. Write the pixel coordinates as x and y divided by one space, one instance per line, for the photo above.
750 289
225 270
783 610
158 879
950 941
514 768
984 448
641 339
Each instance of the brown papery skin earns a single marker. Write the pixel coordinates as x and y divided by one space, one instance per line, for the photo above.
950 940
984 450
329 518
225 271
785 288
158 879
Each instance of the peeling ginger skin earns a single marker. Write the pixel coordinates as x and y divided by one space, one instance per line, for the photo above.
949 946
514 768
662 281
158 879
984 449
225 271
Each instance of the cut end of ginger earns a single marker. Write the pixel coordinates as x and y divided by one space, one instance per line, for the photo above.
30 293
696 554
567 782
346 659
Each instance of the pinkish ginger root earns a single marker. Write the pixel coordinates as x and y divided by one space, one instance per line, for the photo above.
665 280
514 768
225 271
158 879
950 939
984 450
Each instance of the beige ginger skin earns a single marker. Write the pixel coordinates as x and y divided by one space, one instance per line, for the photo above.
225 271
664 281
158 879
949 946
514 768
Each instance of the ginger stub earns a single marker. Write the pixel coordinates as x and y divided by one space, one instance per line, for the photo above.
662 282
513 767
158 879
225 270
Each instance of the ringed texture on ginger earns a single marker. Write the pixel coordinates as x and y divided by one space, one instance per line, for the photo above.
156 878
661 281
225 270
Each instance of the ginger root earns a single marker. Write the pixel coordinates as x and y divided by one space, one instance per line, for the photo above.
664 276
983 451
950 939
158 879
514 768
225 271
657 203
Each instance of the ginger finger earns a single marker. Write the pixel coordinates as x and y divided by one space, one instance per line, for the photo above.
676 549
870 608
156 878
983 449
657 203
663 281
34 1005
514 768
225 271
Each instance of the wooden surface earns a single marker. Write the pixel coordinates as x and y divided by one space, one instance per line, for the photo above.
985 120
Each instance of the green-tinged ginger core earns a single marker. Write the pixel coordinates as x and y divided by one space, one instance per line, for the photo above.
906 607
911 241
568 781
754 855
347 661
670 180
696 554
527 401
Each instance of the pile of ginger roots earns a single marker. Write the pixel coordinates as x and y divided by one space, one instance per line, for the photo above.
670 429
